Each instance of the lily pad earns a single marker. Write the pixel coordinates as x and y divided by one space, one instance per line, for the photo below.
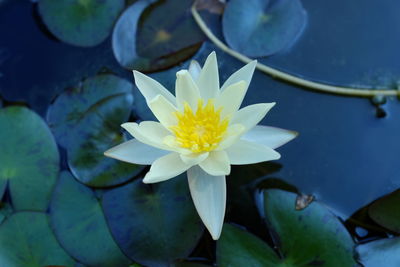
86 121
29 158
153 224
260 28
80 22
308 237
27 240
386 211
152 35
384 252
237 247
76 214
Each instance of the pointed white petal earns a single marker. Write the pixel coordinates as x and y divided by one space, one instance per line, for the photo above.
234 133
148 132
209 197
150 88
245 152
194 69
193 159
134 151
208 81
165 168
216 164
269 136
243 74
251 115
163 110
186 90
231 99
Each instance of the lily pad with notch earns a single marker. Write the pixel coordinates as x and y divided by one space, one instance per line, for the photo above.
153 224
259 28
152 35
86 122
308 237
80 22
76 214
29 159
27 240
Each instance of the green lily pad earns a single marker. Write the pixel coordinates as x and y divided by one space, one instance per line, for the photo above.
27 240
153 224
80 22
76 214
308 237
386 211
86 122
237 247
5 211
260 28
152 35
384 252
29 158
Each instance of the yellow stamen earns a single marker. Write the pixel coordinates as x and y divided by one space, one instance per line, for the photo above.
200 131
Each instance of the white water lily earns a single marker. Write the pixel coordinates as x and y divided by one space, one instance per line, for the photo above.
201 130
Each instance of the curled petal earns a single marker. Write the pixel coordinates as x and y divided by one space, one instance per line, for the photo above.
245 152
209 197
165 168
269 136
136 152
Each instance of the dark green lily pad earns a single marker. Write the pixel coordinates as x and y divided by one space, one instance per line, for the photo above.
386 211
86 121
5 211
308 237
153 224
29 158
27 240
384 252
80 22
152 35
76 214
237 247
260 28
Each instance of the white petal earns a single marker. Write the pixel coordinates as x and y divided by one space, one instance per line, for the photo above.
134 151
194 69
150 88
186 90
245 152
251 115
231 98
163 110
165 168
148 132
234 133
208 81
269 136
209 197
216 164
243 74
193 159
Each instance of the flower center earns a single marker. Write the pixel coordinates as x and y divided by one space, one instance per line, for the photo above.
202 130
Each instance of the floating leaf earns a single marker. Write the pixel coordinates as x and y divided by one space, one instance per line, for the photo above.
80 22
26 240
260 28
5 211
29 158
86 121
312 236
386 211
384 252
151 37
76 214
237 247
153 224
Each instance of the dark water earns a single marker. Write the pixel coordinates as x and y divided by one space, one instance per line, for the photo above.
344 155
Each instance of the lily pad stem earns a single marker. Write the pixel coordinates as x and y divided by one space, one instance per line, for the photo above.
316 86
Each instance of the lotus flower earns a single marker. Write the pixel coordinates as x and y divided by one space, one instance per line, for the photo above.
201 131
